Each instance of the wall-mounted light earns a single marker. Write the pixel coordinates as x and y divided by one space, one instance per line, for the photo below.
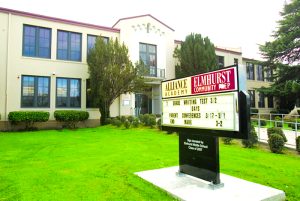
53 73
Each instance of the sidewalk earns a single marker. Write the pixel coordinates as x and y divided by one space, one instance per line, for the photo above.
290 135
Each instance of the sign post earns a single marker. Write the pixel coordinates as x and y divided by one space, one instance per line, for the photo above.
202 108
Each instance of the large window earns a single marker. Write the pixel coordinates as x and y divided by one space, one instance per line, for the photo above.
35 91
36 41
148 56
89 99
235 61
252 98
270 102
261 101
269 74
91 40
260 72
68 46
68 92
220 60
250 71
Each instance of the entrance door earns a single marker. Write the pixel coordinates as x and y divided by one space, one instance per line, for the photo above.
143 104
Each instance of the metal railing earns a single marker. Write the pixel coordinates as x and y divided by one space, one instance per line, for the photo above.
290 125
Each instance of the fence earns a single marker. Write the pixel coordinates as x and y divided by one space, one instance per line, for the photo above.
290 126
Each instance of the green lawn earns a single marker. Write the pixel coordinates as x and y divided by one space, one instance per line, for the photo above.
98 164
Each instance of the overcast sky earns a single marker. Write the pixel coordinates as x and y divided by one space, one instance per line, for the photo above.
228 23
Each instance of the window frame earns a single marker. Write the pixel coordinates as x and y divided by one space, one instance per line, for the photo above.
148 53
252 101
223 61
35 96
106 39
269 102
261 100
69 45
68 92
37 41
248 65
235 61
260 72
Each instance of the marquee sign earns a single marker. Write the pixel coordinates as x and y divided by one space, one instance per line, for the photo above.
204 101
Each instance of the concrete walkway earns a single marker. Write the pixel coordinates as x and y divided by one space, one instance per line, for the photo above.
290 135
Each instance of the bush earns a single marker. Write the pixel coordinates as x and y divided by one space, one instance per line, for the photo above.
293 126
148 119
127 124
298 144
108 120
283 111
116 122
123 119
70 117
263 122
130 118
227 140
158 123
28 117
276 143
253 139
253 110
135 122
278 131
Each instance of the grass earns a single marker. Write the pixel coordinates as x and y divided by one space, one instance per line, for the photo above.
98 164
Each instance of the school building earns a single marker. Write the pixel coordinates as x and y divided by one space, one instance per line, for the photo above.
43 64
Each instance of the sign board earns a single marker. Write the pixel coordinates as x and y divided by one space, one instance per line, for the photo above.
204 101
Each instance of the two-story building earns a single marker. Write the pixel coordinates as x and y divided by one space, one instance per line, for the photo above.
43 62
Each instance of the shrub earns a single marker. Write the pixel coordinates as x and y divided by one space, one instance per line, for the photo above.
141 118
227 140
148 119
253 139
116 122
298 112
276 143
108 120
127 124
158 123
70 117
123 119
278 131
263 122
135 122
273 112
253 110
298 144
283 111
130 118
293 126
28 117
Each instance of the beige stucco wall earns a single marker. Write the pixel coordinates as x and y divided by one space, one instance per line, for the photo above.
20 65
3 61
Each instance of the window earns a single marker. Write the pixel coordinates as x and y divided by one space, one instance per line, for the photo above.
91 40
269 74
250 71
68 92
270 102
36 41
148 56
35 91
235 61
68 46
220 60
89 99
261 101
252 98
260 72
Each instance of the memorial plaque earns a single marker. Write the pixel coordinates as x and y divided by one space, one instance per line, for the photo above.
199 156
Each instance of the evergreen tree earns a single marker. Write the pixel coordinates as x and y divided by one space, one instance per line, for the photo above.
111 74
195 55
283 55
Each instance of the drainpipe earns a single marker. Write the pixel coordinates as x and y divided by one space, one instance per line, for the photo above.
7 64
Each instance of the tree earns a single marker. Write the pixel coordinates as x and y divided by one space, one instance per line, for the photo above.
111 74
282 54
195 55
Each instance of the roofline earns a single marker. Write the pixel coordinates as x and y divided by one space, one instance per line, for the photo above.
146 15
249 59
54 19
228 51
216 48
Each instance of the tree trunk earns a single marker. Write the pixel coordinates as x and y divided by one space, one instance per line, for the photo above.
105 113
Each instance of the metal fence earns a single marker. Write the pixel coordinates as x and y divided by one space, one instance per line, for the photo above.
289 124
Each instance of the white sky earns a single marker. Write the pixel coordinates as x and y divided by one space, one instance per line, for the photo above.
228 23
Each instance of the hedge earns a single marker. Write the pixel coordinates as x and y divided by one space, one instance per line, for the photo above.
70 117
28 117
278 131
